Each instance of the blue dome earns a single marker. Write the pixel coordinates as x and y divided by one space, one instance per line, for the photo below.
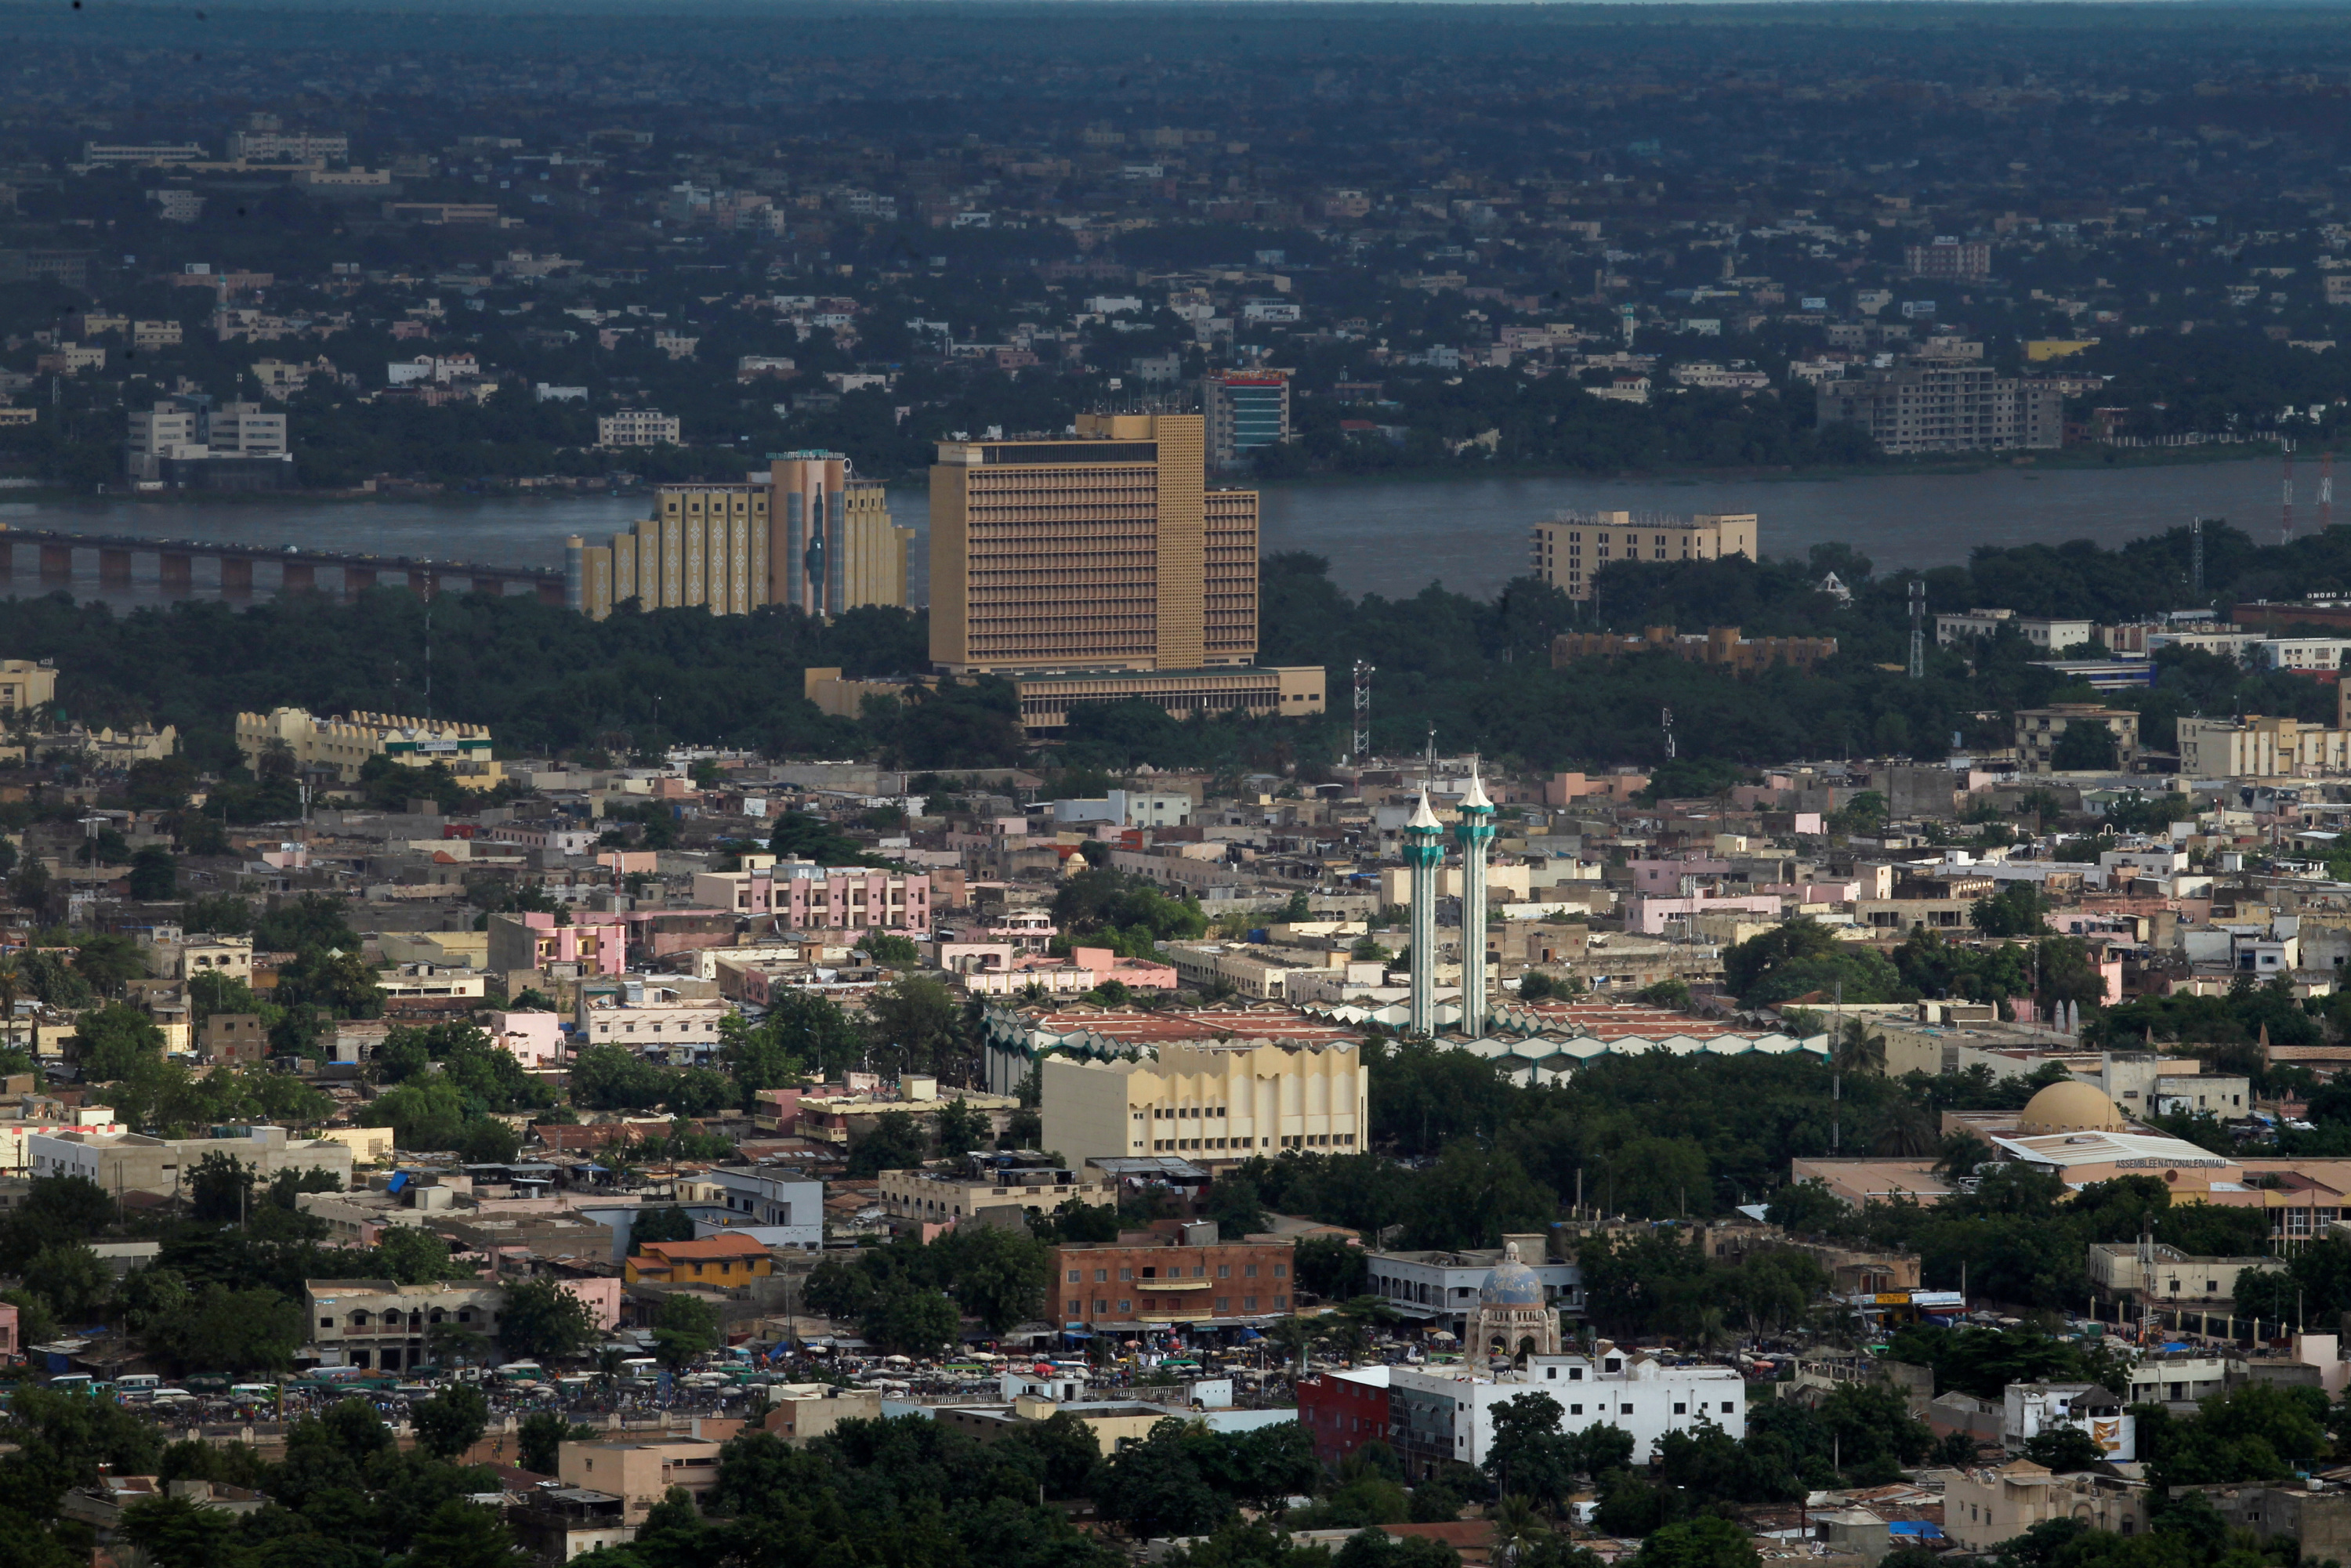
1511 1284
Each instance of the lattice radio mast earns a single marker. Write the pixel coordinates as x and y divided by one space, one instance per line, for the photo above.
1362 712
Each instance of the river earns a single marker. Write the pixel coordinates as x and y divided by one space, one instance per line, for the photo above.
1392 539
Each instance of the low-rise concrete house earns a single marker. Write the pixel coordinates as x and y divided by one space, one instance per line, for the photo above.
1984 1508
132 1162
556 1524
640 1474
389 1327
799 1412
984 1182
720 1262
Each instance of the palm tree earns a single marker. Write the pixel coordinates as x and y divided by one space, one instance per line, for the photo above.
1517 1526
1905 1129
1710 1331
1295 1334
1856 1049
1959 1154
1357 1317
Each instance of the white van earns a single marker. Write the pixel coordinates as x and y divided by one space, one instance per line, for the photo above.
641 1369
137 1386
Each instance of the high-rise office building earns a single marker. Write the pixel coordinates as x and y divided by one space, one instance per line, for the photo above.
1246 411
1102 551
804 533
1100 566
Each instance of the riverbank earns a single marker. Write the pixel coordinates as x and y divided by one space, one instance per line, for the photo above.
2065 460
1392 537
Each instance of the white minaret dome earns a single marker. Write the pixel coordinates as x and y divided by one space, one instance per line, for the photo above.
1423 817
1475 799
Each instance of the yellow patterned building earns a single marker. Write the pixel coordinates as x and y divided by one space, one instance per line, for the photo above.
807 534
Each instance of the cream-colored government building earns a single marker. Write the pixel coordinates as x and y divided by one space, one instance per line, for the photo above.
342 745
1571 549
804 534
1207 1104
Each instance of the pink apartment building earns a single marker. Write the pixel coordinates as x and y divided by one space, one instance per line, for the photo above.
821 898
596 941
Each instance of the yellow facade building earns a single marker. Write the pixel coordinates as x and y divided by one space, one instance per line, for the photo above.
806 534
1209 1103
1568 550
343 746
25 685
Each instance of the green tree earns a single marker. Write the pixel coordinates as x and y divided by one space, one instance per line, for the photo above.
175 1532
2063 1449
544 1322
154 874
959 1127
997 1276
666 1222
684 1329
232 1330
220 1188
452 1421
1703 1542
74 1280
114 1042
896 1143
2085 747
461 1534
411 1255
2018 909
1530 1455
920 1015
539 1438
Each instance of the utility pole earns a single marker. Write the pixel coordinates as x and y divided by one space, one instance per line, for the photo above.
1669 723
2195 554
2285 518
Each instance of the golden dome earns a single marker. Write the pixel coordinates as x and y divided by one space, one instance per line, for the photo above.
2069 1107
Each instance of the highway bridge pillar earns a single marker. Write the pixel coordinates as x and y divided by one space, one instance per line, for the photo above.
236 574
56 560
551 593
299 577
424 583
114 566
177 573
358 580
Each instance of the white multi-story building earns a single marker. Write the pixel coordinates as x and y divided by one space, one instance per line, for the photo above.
2302 653
637 427
782 1208
1442 1288
242 430
652 1021
1448 1415
297 145
2041 632
1128 809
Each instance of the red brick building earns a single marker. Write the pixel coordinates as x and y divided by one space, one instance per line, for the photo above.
1132 1285
1344 1410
